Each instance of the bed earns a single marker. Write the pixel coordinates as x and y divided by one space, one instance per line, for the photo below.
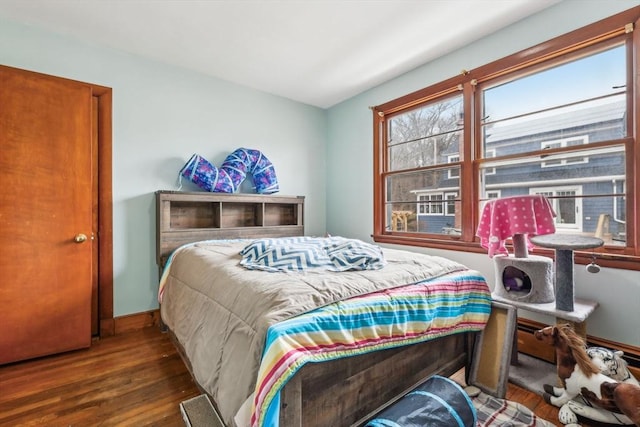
233 323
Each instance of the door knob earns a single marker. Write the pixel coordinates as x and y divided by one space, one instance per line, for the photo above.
80 238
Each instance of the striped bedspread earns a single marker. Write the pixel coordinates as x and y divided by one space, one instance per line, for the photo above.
456 302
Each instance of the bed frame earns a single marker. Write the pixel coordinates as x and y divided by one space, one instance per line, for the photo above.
343 392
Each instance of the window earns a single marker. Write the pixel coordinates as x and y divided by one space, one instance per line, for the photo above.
495 194
431 204
566 159
557 119
488 154
454 172
566 204
450 206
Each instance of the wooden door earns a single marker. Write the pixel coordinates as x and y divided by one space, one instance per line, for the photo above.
46 185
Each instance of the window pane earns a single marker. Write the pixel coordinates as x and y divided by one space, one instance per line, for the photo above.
429 199
425 136
585 187
587 165
551 107
401 217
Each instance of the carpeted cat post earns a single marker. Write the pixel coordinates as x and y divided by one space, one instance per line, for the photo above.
564 245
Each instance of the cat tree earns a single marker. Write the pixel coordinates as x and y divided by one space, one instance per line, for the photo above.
518 217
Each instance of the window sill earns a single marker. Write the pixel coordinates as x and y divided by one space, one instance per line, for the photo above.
603 259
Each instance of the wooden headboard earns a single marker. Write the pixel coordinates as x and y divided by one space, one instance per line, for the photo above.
186 217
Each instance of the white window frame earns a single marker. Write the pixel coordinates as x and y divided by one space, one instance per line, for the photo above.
561 143
450 203
453 158
427 205
489 154
577 189
492 194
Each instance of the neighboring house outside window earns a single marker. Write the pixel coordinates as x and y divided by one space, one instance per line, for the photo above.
438 212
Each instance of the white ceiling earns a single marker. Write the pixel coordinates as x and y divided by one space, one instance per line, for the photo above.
318 52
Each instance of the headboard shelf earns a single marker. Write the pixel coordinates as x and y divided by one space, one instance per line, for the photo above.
185 217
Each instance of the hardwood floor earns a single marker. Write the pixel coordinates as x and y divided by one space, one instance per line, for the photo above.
133 379
534 402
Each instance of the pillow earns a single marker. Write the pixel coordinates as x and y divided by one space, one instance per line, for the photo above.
352 254
302 253
286 254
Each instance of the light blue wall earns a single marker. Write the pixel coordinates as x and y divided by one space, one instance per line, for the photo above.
350 156
161 115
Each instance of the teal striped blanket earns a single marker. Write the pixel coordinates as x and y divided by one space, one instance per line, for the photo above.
457 302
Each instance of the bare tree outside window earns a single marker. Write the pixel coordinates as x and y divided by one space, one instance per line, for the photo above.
425 136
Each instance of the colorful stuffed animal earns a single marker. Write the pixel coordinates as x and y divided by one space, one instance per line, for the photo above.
611 364
515 279
617 402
